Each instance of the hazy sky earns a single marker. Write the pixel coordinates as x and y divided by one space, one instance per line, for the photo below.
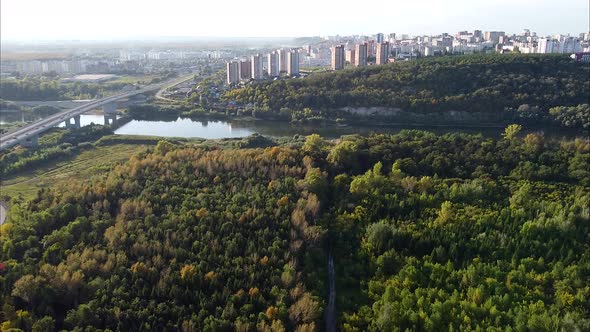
107 19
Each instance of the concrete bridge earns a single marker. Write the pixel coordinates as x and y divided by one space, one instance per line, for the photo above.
29 134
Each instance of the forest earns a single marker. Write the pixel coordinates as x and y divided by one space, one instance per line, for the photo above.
47 88
486 87
428 232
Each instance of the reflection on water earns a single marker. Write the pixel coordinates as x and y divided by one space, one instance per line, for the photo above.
184 128
213 129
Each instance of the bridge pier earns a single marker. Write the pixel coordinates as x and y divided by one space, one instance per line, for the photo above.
76 123
31 141
110 119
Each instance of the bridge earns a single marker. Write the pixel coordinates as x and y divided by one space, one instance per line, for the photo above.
29 134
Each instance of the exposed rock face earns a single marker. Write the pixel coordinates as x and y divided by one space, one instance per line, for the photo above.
386 111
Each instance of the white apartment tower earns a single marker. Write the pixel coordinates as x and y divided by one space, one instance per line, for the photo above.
545 45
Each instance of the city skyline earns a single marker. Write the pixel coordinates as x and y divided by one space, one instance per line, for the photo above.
113 20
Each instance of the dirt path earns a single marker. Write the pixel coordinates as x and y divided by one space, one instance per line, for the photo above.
3 211
331 309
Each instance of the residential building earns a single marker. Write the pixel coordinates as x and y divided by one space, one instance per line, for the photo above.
283 61
546 45
337 57
380 38
360 55
349 56
233 72
273 64
257 67
293 62
370 48
493 36
570 45
382 55
245 69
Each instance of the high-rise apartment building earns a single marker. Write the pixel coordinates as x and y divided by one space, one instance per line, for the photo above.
245 69
380 37
382 55
337 57
273 64
545 45
283 61
233 72
370 48
360 55
493 36
349 56
257 67
293 62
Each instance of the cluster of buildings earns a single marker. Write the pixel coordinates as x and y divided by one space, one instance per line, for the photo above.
282 61
338 52
157 55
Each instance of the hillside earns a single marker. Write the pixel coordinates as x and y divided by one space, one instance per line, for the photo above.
489 87
455 231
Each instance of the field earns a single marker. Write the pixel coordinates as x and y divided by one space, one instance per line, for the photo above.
82 167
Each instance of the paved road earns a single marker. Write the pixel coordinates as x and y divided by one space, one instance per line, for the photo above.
173 84
21 134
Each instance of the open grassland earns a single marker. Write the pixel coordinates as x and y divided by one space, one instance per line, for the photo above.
81 167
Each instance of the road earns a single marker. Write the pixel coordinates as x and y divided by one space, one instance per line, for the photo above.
21 134
174 83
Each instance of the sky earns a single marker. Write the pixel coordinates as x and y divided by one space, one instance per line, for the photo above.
128 19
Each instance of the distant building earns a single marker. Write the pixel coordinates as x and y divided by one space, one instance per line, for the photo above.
382 55
349 56
233 72
379 37
570 45
545 45
477 35
370 48
493 36
257 67
428 51
283 61
293 63
245 69
338 57
273 64
360 55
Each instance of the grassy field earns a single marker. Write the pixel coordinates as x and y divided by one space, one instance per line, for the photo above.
132 79
82 167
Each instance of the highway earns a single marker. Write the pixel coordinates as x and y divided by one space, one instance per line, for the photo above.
21 134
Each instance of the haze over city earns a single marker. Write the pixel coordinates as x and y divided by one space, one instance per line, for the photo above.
28 20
